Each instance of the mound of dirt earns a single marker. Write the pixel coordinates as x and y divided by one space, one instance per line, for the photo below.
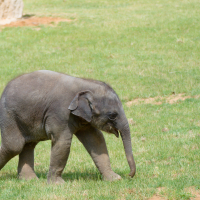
36 21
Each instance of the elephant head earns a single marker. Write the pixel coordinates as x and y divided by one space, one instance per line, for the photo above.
105 112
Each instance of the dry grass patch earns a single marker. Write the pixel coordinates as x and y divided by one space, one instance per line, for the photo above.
174 98
194 192
158 196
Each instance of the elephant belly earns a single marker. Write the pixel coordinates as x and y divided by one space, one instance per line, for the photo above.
36 136
32 130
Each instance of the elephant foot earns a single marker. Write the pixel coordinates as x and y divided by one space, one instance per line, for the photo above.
27 176
112 176
55 180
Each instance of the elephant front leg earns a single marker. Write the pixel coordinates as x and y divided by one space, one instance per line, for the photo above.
59 154
26 162
94 143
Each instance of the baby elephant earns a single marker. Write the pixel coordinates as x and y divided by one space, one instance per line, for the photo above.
46 105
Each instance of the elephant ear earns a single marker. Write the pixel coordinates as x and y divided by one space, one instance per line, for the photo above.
81 105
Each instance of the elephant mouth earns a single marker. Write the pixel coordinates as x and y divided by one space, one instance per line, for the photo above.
116 132
110 129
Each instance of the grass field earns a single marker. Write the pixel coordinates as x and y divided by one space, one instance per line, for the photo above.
142 49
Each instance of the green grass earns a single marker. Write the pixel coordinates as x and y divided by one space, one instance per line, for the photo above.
142 49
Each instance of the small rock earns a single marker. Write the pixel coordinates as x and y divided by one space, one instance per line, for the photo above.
36 164
165 130
180 40
190 132
131 122
85 193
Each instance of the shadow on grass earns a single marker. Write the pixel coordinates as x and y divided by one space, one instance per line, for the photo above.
66 176
75 175
8 176
26 16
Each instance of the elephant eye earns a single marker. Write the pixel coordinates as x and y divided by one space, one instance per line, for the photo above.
112 116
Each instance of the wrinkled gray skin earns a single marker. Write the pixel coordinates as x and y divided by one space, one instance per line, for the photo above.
46 105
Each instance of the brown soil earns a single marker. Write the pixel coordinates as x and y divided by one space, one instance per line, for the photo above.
156 197
36 21
159 100
194 192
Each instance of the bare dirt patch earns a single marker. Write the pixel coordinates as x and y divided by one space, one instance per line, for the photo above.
157 196
174 98
36 21
194 192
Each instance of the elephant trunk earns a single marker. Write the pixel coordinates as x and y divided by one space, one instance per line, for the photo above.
126 138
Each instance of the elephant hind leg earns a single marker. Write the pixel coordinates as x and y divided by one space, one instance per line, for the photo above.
94 142
12 144
4 157
26 162
6 154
